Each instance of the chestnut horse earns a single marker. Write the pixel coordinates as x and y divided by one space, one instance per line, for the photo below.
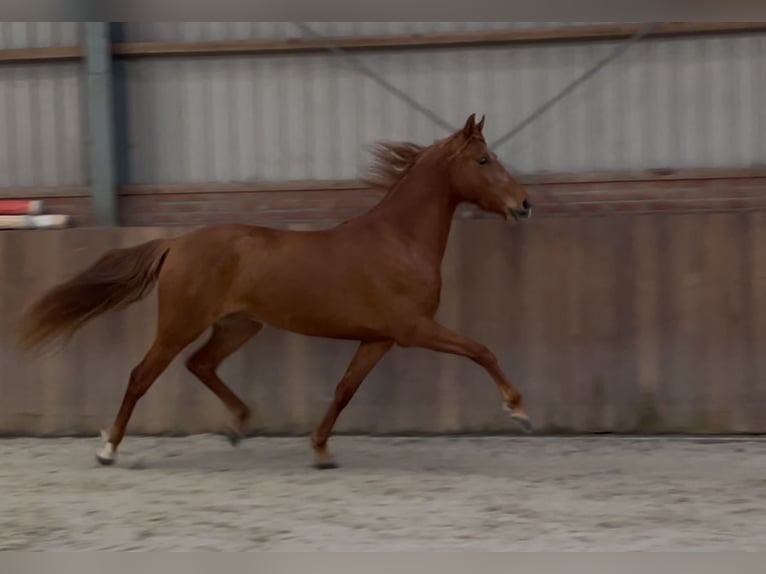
375 279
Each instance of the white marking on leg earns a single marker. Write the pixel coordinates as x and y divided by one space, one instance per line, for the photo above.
106 454
516 415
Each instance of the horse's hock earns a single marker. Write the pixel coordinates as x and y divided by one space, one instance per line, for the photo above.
615 323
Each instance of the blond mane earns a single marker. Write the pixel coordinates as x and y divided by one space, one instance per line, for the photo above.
391 161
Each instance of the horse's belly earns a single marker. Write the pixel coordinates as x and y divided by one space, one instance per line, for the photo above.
315 314
321 323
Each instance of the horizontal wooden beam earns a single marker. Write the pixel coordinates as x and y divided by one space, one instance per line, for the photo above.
240 187
42 192
386 41
430 40
53 54
658 174
702 174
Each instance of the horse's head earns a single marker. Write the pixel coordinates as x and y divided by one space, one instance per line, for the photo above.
479 177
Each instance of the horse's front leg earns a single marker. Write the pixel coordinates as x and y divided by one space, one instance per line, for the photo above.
366 357
429 334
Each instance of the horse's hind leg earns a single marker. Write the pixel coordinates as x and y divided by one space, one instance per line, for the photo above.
229 334
142 377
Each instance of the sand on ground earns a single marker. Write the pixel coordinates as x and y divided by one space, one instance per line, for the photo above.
498 493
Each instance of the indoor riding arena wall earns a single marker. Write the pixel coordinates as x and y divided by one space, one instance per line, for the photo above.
609 322
632 301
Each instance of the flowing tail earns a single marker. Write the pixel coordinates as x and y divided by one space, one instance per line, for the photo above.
118 279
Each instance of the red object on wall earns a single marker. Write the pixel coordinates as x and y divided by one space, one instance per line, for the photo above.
21 206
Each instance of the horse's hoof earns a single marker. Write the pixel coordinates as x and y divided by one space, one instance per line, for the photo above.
523 422
326 465
105 456
103 460
233 437
521 419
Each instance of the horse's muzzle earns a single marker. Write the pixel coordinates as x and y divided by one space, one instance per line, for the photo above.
524 213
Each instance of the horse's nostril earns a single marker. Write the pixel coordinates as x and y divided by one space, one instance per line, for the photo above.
526 205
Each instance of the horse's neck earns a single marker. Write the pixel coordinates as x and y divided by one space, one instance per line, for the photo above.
421 209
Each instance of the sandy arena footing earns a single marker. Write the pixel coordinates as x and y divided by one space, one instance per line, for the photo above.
500 493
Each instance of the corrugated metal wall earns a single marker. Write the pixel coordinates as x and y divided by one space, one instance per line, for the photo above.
42 135
693 102
39 34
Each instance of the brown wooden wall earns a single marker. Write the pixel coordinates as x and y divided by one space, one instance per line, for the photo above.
322 202
607 323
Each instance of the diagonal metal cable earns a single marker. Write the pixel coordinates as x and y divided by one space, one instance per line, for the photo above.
592 71
616 53
531 118
356 63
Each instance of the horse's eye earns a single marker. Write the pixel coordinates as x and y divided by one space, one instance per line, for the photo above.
484 160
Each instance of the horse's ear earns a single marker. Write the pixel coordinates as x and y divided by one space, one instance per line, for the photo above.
469 126
480 125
